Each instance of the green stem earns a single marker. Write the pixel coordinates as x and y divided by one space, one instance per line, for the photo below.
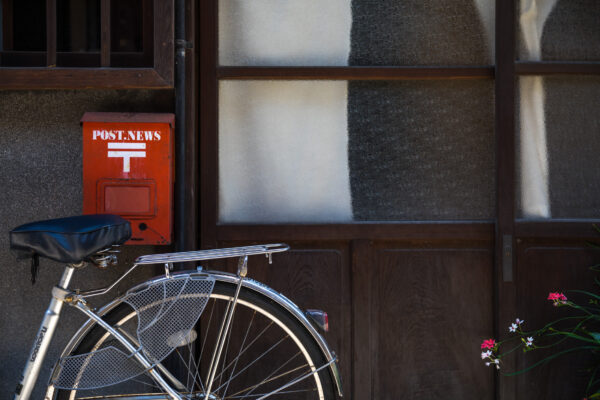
545 360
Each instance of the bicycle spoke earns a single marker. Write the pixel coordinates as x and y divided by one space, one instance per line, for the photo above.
274 394
238 357
251 389
249 345
270 377
257 359
188 366
198 375
260 355
226 347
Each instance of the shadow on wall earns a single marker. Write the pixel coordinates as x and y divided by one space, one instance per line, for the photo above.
40 164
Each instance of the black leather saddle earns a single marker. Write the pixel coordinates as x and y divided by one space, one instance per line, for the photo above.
69 240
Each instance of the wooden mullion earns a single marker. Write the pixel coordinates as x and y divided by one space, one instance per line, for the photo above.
191 114
148 32
51 33
208 111
356 73
164 34
557 68
364 322
504 300
7 25
105 33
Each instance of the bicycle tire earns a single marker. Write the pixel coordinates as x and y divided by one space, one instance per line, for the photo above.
252 373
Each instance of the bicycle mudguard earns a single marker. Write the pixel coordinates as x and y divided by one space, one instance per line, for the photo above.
218 276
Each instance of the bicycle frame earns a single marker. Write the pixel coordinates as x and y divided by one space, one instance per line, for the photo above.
61 294
43 339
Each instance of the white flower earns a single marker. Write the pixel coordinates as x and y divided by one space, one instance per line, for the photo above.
486 354
529 341
519 321
496 361
487 364
512 327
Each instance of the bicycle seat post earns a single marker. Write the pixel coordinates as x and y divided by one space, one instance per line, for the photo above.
44 337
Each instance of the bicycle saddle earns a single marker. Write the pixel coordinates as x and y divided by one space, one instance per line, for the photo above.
69 240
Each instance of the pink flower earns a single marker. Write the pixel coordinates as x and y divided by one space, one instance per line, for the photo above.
488 344
557 298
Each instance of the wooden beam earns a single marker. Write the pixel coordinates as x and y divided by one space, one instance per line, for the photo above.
581 230
356 73
458 231
81 78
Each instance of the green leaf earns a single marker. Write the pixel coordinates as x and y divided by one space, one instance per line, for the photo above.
595 335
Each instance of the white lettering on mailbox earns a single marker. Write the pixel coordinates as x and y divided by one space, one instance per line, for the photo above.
104 134
126 151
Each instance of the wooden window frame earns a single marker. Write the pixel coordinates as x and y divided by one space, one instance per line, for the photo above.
504 73
160 75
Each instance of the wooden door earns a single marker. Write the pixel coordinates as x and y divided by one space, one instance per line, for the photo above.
424 250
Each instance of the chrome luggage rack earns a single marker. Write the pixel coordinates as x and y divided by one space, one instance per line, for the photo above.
213 254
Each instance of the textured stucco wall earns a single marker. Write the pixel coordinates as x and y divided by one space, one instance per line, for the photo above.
40 178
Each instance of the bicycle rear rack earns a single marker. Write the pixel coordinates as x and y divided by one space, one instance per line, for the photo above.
169 258
199 255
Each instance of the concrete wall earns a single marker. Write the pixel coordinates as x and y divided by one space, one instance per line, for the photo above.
40 178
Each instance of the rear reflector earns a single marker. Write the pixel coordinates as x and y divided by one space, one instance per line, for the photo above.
319 318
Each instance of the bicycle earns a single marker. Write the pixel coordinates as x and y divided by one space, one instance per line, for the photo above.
184 335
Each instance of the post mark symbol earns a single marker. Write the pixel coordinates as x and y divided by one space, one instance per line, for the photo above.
127 151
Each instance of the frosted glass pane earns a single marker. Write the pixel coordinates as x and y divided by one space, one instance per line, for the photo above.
556 30
290 32
351 151
559 147
421 150
360 32
418 32
283 152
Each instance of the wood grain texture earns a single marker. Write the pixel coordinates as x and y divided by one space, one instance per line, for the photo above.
557 68
363 327
208 124
81 78
105 38
148 32
543 268
474 231
504 292
7 24
432 308
356 73
51 33
164 34
581 229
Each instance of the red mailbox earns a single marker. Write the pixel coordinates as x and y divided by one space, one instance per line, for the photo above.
128 171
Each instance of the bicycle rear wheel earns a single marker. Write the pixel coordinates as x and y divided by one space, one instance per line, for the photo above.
266 352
